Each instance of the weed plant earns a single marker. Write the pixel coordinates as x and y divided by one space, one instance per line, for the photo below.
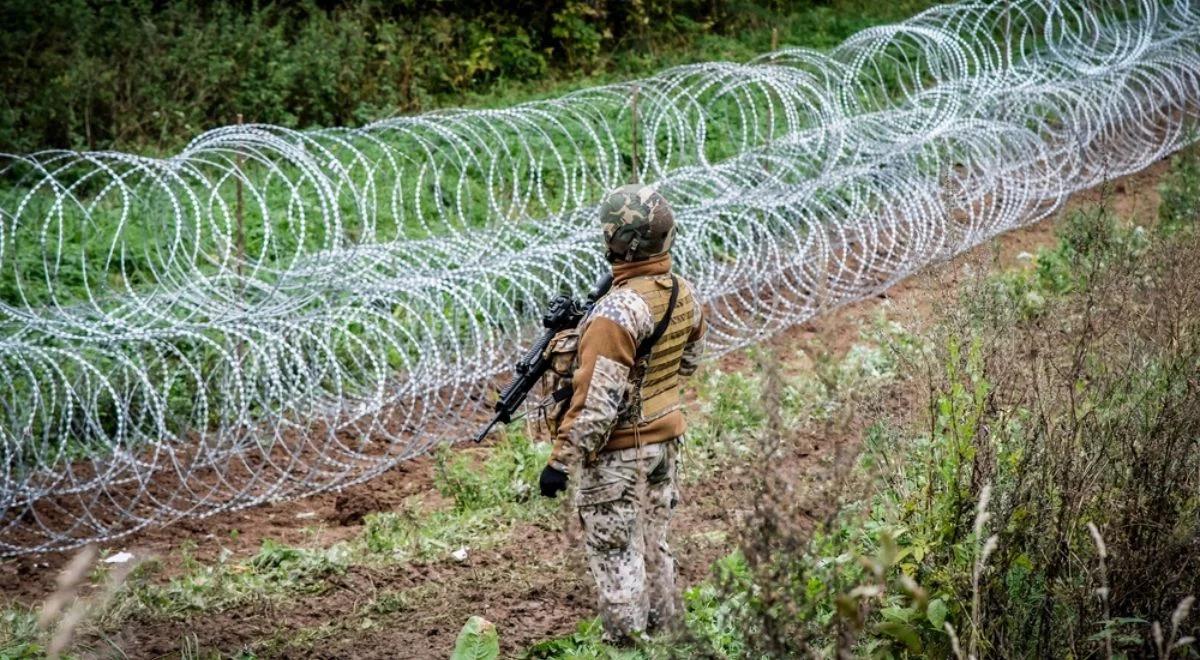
145 75
151 75
1049 507
1044 504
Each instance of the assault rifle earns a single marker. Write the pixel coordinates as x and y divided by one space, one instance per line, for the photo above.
564 312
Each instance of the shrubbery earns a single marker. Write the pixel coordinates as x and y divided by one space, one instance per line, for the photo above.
1047 506
1041 501
87 74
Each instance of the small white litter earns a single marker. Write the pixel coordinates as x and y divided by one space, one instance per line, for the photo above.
459 555
119 558
306 514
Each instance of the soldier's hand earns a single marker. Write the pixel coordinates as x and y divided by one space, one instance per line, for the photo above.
553 481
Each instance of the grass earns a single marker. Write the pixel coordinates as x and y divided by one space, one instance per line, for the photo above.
478 515
19 636
484 495
818 27
905 550
988 526
37 277
905 555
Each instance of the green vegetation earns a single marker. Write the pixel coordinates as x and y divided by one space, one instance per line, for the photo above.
1042 501
477 641
483 503
1039 500
1060 418
506 476
149 76
486 494
486 498
1046 505
18 634
276 570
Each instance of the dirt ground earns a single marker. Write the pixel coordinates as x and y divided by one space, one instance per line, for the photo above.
535 586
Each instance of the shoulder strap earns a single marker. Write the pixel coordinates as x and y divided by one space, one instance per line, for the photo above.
648 343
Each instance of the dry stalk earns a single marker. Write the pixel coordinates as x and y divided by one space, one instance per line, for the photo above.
1102 552
989 546
69 583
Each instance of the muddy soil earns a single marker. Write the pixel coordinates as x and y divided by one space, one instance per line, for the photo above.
535 586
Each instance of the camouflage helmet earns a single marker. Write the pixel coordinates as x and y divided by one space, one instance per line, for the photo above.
638 223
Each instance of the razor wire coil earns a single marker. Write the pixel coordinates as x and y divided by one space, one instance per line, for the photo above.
272 313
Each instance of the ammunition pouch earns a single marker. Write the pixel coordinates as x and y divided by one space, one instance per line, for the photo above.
556 383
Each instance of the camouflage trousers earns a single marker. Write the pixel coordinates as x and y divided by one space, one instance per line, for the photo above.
625 502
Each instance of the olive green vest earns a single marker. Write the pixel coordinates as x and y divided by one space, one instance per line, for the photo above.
655 380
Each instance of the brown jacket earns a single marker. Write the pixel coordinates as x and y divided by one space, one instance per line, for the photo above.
602 378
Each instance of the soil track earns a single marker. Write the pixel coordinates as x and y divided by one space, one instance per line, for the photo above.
535 585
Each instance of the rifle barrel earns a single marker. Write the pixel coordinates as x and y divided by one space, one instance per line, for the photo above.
487 429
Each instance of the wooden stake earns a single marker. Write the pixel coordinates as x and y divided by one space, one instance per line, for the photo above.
774 39
241 210
633 123
241 235
1008 33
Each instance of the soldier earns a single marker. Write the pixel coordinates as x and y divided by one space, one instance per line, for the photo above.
621 432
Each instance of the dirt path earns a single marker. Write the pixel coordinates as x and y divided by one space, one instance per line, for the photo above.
534 586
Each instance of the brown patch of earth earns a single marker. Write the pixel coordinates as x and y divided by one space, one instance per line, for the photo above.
322 519
535 585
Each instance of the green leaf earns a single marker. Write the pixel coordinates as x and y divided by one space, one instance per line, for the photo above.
1022 560
899 614
937 612
902 633
477 641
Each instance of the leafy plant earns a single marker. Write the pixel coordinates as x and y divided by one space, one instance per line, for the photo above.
151 75
1038 510
19 636
507 474
275 571
1180 191
477 641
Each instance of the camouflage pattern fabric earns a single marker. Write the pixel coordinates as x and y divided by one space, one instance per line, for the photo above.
625 502
561 352
610 384
605 396
627 309
692 354
638 223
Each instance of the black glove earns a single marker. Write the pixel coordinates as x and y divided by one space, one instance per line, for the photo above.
553 481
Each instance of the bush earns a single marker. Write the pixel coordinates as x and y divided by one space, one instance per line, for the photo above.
508 475
1087 414
1180 191
142 74
1048 506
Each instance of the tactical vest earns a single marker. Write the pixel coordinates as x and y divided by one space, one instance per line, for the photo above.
654 380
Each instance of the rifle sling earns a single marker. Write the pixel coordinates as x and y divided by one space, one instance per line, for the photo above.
647 345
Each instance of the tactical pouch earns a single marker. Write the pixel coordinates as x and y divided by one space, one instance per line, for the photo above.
561 352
